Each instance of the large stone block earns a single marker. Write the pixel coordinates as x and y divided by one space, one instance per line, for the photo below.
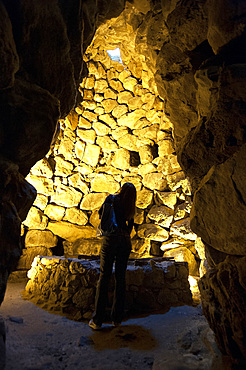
226 313
71 232
66 196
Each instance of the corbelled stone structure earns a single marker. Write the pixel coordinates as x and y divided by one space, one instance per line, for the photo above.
195 52
68 286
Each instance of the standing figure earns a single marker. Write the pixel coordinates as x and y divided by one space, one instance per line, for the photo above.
116 247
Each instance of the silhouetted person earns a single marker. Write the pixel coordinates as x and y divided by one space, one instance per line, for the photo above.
116 247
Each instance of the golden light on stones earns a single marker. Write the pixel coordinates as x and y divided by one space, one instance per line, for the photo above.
118 133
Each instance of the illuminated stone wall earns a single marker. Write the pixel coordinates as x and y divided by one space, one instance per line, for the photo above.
118 133
68 286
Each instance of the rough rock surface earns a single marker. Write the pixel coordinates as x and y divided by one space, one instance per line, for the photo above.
191 53
68 285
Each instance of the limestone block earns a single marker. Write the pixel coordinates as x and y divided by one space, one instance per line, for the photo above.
90 82
84 123
148 100
106 143
99 97
144 198
62 167
42 168
167 198
99 110
145 154
79 110
28 255
174 243
75 216
66 196
84 169
129 119
87 94
139 216
134 179
165 147
200 248
135 103
109 94
76 181
152 232
109 120
40 238
89 104
124 97
89 136
129 142
112 74
163 135
142 123
101 129
184 254
79 148
35 219
178 180
165 123
121 159
149 132
71 232
181 228
161 215
93 201
123 75
104 183
90 116
86 247
143 169
66 148
218 214
119 132
101 85
108 105
119 110
153 116
43 185
155 181
41 201
94 219
129 83
54 212
183 209
91 154
116 85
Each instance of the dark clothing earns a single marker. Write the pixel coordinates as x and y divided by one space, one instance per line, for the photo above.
115 248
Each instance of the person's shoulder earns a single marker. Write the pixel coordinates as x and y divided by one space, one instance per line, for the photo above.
110 198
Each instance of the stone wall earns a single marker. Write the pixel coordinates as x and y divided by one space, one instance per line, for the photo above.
67 286
118 133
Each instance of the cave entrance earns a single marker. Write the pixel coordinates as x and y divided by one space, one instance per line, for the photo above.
118 132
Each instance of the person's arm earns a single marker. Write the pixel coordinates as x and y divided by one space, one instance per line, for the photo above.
130 225
109 199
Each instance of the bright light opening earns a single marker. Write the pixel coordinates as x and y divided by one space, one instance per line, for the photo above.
115 55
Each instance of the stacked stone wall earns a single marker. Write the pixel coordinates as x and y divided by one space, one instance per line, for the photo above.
117 134
67 286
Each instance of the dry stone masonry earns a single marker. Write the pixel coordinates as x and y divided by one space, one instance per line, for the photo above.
117 134
189 59
67 286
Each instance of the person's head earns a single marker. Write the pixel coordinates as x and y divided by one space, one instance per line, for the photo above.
128 199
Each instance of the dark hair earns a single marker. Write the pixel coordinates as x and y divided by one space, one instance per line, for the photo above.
128 199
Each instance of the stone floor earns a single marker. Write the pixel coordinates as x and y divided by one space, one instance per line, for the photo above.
39 340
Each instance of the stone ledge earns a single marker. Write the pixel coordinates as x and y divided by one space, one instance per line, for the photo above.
67 286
